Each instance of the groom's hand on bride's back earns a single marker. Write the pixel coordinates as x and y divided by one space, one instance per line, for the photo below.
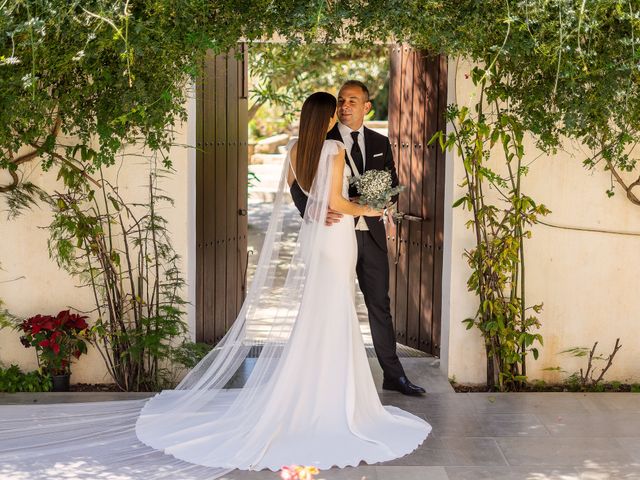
300 201
332 217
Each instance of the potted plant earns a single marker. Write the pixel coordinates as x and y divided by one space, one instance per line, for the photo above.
57 340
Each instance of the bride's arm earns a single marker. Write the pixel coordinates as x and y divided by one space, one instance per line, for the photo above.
292 158
336 201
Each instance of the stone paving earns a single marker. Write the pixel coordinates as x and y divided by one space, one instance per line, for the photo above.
520 436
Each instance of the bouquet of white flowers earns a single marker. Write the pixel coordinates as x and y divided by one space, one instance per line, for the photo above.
374 187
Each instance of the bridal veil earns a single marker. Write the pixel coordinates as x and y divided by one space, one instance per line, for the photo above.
126 439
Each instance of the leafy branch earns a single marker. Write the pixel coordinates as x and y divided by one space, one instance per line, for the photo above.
586 377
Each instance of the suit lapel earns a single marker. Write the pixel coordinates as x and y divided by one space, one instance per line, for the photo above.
334 134
370 162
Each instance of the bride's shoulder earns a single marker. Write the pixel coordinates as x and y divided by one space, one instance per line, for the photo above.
331 141
335 146
292 143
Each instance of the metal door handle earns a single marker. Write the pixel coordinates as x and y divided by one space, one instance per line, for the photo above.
412 218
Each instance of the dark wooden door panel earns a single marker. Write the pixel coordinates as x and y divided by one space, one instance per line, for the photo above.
395 64
415 195
428 209
440 206
221 190
243 173
199 205
221 199
207 215
404 175
417 102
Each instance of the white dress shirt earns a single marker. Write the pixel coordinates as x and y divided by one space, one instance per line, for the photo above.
347 139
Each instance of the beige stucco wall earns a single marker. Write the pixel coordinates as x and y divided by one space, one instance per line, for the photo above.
587 281
41 287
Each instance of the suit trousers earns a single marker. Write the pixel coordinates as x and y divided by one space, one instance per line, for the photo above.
372 269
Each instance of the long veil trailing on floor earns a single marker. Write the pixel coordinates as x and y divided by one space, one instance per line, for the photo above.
218 403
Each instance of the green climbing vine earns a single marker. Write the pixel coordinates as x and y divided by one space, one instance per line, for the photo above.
501 214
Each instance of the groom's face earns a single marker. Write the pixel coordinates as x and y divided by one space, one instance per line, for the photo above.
352 106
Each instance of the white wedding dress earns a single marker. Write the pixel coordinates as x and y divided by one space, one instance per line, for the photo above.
289 384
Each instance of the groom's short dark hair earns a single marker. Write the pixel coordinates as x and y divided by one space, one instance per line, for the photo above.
358 83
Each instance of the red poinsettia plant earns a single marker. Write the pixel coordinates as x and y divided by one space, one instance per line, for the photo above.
57 339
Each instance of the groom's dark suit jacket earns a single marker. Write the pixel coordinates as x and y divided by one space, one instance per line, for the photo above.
379 157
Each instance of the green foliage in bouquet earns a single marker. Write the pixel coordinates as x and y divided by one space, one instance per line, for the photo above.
375 188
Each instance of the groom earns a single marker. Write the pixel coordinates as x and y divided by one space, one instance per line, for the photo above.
366 150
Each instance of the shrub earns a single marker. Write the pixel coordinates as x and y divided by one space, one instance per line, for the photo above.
13 380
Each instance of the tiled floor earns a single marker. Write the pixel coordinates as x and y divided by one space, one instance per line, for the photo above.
520 436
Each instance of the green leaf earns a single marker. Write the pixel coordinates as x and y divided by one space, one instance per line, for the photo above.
460 201
115 203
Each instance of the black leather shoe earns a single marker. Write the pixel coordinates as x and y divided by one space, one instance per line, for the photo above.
402 385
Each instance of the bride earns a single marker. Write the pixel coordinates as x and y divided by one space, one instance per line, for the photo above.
289 383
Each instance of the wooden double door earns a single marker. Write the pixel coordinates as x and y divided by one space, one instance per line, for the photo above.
417 101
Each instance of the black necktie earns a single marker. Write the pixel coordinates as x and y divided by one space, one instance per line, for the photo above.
356 153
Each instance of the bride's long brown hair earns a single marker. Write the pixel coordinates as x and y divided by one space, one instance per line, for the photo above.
317 111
